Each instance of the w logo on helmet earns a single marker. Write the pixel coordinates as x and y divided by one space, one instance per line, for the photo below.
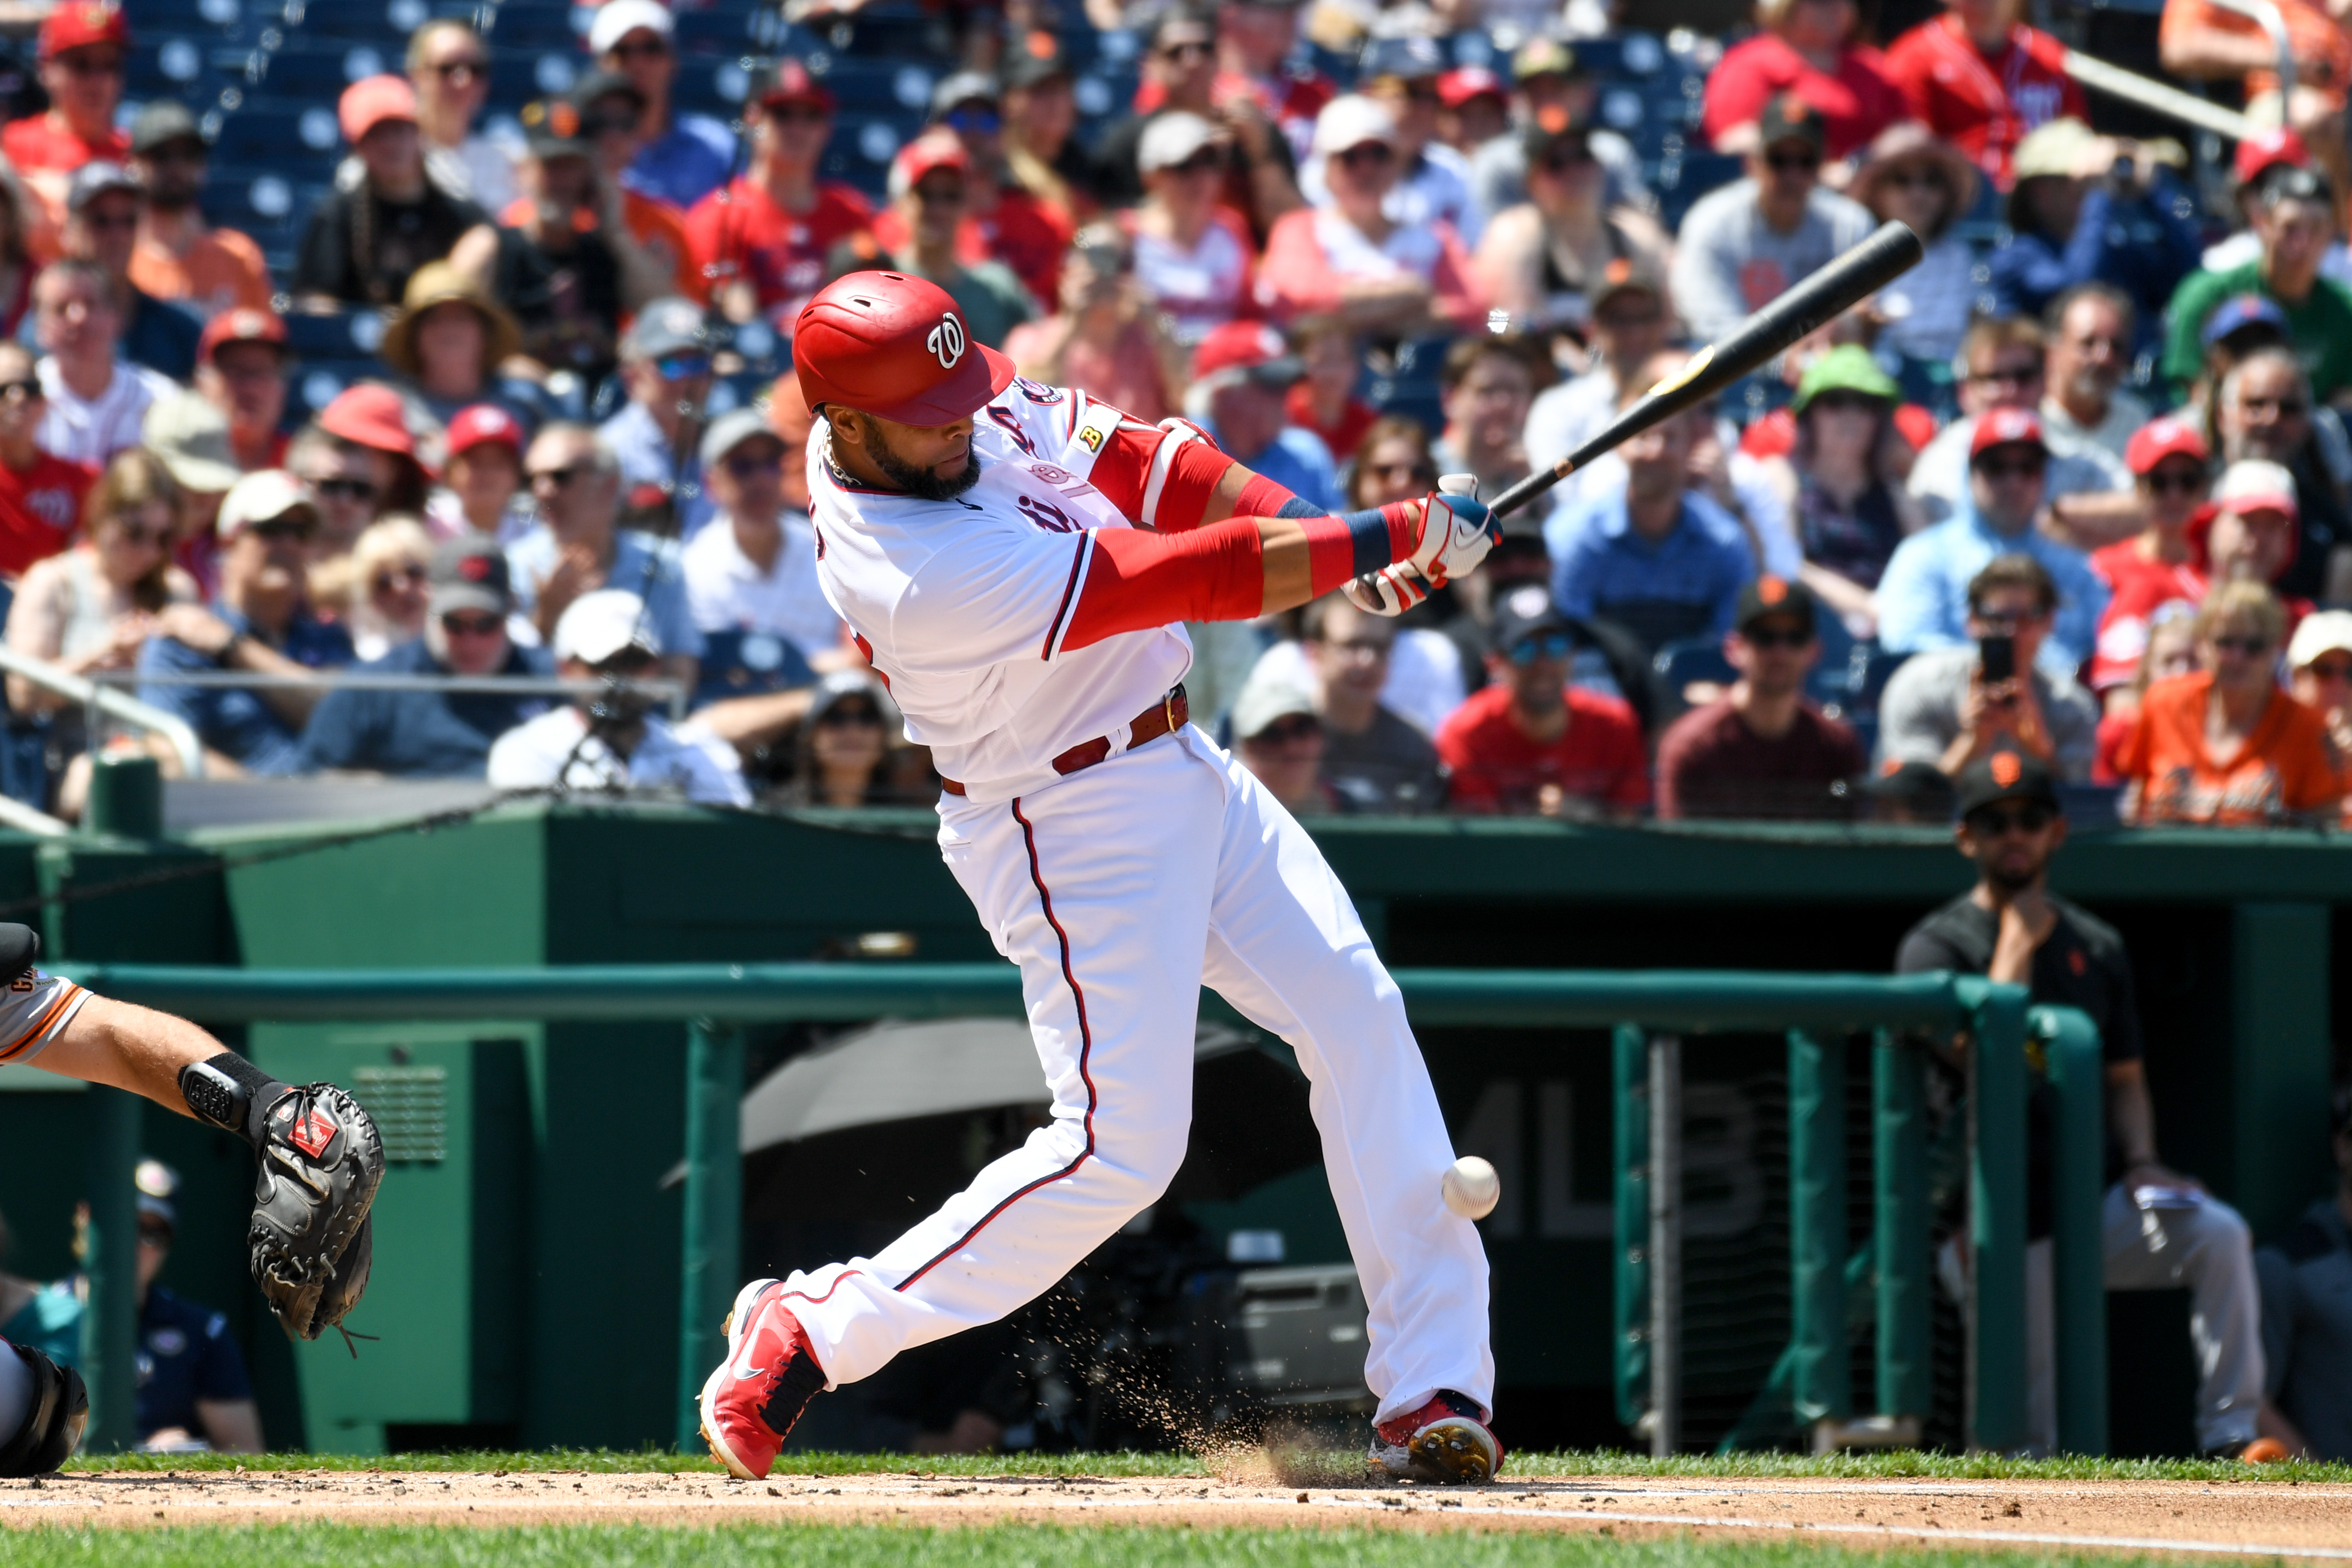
947 341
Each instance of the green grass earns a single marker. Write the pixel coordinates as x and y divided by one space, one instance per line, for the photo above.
1946 1467
1010 1546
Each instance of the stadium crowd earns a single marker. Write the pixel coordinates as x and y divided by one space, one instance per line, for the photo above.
2077 488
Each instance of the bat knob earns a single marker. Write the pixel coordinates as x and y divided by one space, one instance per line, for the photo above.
1459 485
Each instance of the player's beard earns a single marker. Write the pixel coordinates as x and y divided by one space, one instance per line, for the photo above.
922 483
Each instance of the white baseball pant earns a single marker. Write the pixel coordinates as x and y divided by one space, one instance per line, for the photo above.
1119 892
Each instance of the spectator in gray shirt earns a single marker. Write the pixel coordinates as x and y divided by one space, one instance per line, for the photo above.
2306 1285
1940 709
1756 239
1372 759
1545 74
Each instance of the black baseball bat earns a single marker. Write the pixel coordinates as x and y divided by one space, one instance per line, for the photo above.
1852 278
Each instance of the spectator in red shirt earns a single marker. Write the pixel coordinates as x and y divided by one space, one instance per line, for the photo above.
1002 222
1806 47
82 51
1325 399
1761 749
760 242
1529 742
40 496
2168 460
1981 80
241 371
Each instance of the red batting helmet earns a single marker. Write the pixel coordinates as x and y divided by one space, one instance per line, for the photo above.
895 346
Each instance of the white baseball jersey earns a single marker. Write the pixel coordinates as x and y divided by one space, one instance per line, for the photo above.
34 1010
965 607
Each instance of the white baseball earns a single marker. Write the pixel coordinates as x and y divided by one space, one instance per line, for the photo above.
1471 1187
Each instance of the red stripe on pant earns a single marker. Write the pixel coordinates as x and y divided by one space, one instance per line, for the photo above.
1085 1046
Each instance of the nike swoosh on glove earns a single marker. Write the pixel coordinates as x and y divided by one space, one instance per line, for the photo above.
1456 531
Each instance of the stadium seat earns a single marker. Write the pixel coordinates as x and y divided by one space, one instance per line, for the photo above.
1689 659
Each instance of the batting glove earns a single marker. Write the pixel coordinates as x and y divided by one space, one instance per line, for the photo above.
1456 531
1391 591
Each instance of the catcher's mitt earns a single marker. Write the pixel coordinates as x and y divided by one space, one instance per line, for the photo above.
321 1161
53 1425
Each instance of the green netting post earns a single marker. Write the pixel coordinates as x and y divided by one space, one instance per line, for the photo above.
1899 1221
1821 1387
712 1232
1631 1072
110 1322
1997 1407
2078 1261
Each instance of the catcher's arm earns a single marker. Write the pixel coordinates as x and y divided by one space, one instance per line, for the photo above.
129 1048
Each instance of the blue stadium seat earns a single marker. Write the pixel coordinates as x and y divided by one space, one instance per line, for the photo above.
308 71
728 672
535 28
1687 659
1681 179
889 32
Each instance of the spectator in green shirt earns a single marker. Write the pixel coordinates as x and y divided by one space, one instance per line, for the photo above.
2293 217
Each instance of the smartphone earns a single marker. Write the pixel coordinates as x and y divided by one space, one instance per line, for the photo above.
1997 658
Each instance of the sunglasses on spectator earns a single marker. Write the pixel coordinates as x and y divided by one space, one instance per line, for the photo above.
1369 153
609 124
345 489
463 625
2177 483
555 478
461 72
2330 670
1557 646
122 221
2019 817
2000 624
409 575
974 121
843 714
1916 180
750 465
2015 374
2096 340
1769 637
941 195
2250 647
1999 468
1847 403
155 1234
1204 162
2285 408
30 389
1184 51
1806 159
647 48
186 151
1626 320
682 367
799 113
282 529
1292 727
82 62
1568 155
1418 470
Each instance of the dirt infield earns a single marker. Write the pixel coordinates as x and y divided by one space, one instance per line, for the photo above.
2189 1518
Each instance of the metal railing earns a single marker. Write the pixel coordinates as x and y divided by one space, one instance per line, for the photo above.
718 998
673 692
100 696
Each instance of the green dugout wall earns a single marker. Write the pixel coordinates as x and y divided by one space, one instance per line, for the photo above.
533 1274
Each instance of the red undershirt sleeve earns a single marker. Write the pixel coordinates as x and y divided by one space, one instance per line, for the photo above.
1135 579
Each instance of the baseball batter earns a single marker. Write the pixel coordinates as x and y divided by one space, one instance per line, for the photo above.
321 1164
1014 560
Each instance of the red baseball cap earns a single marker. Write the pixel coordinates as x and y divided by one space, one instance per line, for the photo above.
484 422
790 82
2161 438
895 346
1459 85
79 23
242 325
2006 426
1248 348
2265 148
940 148
371 416
370 101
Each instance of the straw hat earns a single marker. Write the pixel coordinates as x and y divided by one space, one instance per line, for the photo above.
1906 142
439 283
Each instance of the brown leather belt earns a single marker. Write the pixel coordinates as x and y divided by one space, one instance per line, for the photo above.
1173 714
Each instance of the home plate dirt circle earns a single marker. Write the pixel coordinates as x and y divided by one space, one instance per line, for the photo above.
2189 1519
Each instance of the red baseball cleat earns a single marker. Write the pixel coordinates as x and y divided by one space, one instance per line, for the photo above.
759 1390
1444 1441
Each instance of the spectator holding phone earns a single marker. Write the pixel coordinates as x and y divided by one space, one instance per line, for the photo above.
1529 742
1952 706
2160 1230
1761 749
2225 747
1106 339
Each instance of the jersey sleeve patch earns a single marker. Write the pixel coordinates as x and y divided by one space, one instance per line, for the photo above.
34 1011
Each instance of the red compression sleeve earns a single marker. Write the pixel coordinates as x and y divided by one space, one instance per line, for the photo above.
1139 580
1261 498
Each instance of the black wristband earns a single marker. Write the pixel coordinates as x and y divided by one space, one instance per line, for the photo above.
231 1093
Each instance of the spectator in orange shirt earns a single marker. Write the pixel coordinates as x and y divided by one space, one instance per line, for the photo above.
2225 747
241 371
612 121
179 256
2198 39
82 51
1529 742
760 243
1981 80
1002 222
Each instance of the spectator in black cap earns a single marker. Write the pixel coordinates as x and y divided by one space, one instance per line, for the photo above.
1040 104
556 259
435 735
666 370
103 205
612 121
1002 222
1549 259
1531 742
180 257
1761 749
2161 1229
1547 75
1179 71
